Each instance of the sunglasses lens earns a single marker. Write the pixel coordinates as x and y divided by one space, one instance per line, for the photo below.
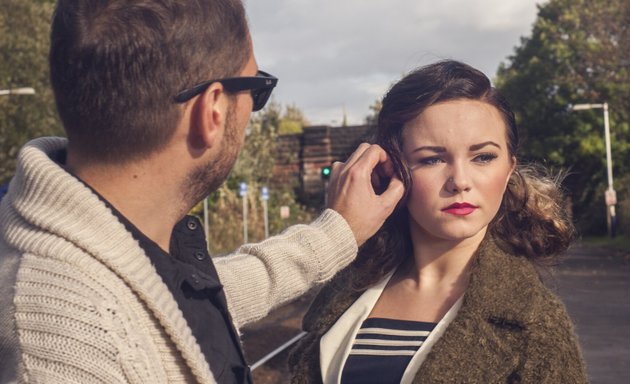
260 97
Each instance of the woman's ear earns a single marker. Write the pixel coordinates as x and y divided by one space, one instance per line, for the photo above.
513 166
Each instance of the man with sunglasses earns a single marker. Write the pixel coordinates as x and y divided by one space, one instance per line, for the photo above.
103 277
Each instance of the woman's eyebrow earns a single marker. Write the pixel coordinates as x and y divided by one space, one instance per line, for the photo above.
430 148
476 147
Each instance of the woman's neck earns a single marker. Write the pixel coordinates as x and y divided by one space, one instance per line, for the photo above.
428 284
438 261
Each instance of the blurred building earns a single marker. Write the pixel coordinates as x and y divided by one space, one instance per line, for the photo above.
301 157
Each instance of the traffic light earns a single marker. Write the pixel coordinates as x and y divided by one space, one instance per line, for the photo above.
326 171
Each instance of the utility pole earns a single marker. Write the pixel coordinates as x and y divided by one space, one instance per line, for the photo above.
264 196
243 193
611 194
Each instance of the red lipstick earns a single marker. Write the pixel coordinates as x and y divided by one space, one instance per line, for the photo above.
460 209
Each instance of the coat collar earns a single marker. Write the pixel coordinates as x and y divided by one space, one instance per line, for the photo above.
501 286
489 327
500 290
486 340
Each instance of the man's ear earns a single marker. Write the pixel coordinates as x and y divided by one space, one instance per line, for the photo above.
208 117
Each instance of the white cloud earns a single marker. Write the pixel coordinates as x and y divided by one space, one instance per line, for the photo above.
332 55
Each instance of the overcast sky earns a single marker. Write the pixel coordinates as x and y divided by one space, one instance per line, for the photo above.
333 56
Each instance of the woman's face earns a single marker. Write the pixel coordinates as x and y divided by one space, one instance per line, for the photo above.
458 157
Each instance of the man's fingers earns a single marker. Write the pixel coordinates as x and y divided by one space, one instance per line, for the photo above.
386 168
335 169
381 175
371 158
394 192
367 161
352 188
335 166
357 154
378 183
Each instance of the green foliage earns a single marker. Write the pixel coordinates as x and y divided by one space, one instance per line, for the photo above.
225 216
375 109
256 161
24 44
620 244
255 167
623 208
579 52
288 127
292 121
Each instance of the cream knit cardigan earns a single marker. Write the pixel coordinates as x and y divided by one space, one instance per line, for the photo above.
88 305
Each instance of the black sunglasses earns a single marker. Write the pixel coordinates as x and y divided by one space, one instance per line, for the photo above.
260 86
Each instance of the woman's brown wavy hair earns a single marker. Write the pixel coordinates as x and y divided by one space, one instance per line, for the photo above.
532 221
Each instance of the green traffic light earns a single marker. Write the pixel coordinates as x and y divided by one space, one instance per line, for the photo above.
326 171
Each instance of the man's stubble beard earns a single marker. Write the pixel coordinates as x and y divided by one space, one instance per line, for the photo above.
207 178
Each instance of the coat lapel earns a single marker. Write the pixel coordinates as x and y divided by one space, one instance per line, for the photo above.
483 343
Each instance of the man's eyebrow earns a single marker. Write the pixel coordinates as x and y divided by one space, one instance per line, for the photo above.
430 148
476 147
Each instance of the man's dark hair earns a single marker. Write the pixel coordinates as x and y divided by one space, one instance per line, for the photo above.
115 66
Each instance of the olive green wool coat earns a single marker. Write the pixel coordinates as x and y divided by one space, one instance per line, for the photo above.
510 329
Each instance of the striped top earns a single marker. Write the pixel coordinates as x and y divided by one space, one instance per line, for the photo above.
382 350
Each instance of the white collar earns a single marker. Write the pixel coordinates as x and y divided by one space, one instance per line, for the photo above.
335 345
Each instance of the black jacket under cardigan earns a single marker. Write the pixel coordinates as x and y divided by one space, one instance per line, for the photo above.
510 329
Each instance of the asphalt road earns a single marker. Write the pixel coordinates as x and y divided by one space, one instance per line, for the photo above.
594 283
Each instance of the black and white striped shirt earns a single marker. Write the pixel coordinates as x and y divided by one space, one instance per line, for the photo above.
382 350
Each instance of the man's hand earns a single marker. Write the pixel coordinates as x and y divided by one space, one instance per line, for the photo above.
353 190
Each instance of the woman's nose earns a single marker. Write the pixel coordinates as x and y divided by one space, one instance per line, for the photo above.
458 181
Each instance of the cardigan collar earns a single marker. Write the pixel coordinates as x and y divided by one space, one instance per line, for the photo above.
43 195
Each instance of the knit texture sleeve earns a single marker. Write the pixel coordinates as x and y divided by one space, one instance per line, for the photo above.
259 277
9 344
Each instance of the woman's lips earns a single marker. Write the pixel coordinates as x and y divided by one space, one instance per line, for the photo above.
460 209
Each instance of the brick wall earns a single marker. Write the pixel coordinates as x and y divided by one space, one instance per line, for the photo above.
300 157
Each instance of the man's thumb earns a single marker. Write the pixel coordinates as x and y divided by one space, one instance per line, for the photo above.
393 193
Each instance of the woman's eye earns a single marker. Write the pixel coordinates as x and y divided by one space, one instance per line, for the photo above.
430 160
485 157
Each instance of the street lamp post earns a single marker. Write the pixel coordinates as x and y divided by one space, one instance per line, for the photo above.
17 91
611 196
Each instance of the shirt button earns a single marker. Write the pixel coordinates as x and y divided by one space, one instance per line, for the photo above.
199 255
192 225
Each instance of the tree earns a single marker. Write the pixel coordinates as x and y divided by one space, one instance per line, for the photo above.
579 52
24 44
257 157
375 109
292 121
254 166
